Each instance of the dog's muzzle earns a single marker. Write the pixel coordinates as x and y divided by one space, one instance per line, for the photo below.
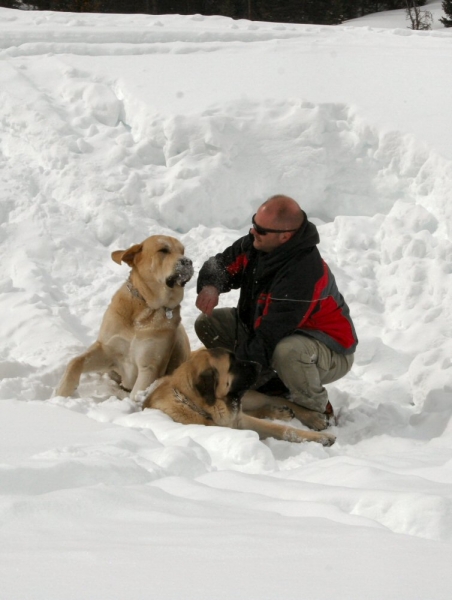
183 272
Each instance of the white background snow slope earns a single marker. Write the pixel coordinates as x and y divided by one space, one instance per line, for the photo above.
113 128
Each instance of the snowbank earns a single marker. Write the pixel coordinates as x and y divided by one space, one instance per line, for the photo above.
113 128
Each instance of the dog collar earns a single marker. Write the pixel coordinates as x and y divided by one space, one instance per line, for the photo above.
133 290
136 294
184 400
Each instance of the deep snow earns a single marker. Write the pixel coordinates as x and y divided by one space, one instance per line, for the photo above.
116 127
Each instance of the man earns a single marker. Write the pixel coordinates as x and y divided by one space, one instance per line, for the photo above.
290 316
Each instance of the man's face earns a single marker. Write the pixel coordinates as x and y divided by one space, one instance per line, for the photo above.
266 242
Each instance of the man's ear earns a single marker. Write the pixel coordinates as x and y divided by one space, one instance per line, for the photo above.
285 237
206 385
127 256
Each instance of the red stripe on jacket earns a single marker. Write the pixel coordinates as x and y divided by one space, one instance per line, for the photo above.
329 317
238 265
266 300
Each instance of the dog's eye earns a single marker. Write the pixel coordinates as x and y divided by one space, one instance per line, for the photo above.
164 250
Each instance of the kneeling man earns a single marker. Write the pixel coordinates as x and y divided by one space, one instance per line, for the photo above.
290 317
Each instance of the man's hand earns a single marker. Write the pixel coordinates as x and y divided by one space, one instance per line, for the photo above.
207 299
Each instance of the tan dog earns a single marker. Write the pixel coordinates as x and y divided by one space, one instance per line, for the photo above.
141 337
207 389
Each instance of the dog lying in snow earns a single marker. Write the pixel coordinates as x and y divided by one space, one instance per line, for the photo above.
207 389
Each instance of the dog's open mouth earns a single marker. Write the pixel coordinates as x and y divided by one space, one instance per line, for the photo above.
183 272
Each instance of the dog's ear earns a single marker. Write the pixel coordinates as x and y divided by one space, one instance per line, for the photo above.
127 256
206 385
117 256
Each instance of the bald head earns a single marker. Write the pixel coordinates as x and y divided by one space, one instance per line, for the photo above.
283 211
276 221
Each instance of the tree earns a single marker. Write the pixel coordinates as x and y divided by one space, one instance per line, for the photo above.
321 12
420 19
447 8
88 6
16 4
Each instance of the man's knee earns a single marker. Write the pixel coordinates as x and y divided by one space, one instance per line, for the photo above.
282 352
293 348
217 330
203 328
200 323
295 360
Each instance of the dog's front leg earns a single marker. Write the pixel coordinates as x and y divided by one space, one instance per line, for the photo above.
151 361
267 429
146 375
252 401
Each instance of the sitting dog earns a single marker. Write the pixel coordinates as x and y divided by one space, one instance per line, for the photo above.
207 390
141 337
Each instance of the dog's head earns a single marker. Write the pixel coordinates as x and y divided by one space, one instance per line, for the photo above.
219 375
159 257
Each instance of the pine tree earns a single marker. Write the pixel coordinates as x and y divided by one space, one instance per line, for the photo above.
447 8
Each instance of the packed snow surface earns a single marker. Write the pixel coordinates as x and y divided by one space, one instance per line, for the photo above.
117 127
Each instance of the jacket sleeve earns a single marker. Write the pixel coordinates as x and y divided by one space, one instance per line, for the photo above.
224 270
291 299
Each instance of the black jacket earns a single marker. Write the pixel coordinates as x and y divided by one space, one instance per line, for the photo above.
289 290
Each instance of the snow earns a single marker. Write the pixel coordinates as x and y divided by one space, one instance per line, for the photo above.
117 127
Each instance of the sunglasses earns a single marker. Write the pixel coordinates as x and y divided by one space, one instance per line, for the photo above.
264 230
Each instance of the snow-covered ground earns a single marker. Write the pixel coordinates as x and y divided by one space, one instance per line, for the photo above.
113 128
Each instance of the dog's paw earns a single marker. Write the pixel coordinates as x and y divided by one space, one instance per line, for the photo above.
318 421
326 439
312 419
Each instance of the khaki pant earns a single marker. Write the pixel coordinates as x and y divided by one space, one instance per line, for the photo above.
302 363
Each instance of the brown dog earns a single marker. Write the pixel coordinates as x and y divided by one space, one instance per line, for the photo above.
207 389
141 337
